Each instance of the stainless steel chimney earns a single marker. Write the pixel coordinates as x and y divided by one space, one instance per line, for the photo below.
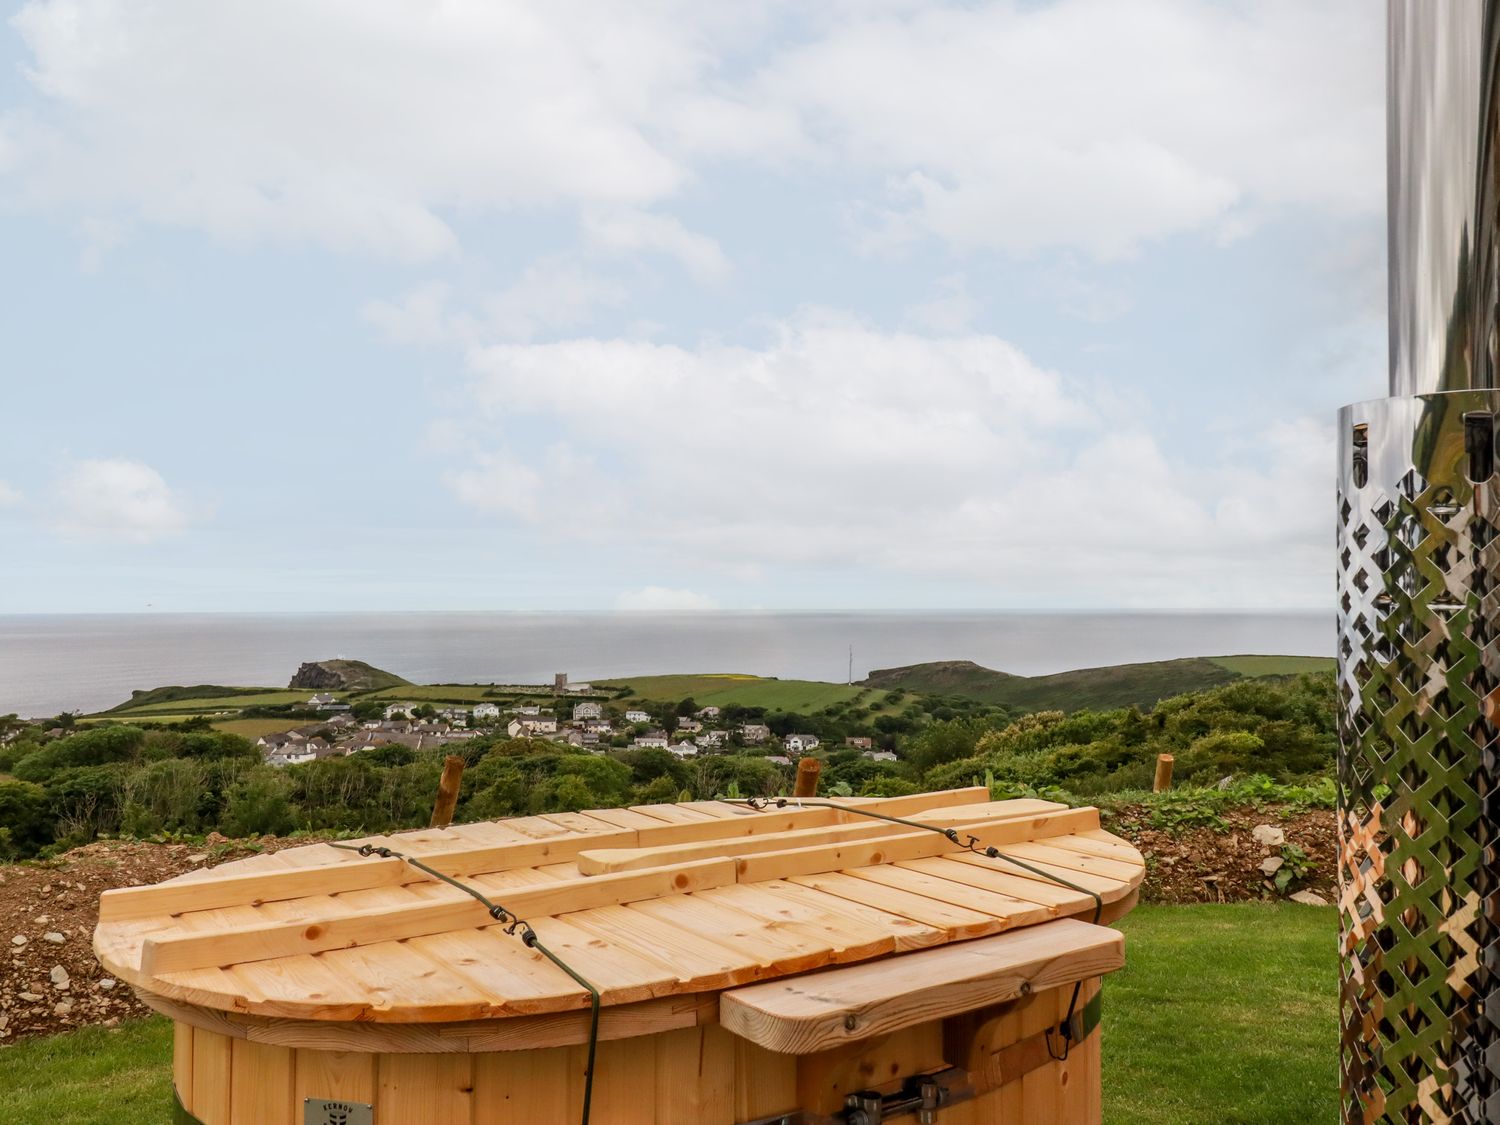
1419 607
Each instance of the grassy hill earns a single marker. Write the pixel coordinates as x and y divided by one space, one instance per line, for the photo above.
344 675
186 697
722 689
1121 685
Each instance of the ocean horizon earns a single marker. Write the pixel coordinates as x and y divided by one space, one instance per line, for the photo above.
50 663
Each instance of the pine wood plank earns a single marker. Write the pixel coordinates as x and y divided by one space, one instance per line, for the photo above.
695 1077
542 1087
704 962
212 1076
1110 890
581 823
764 1082
261 1093
168 953
333 1076
1069 860
626 818
1012 912
808 903
498 966
955 922
840 931
814 1012
985 875
826 1078
432 1089
773 948
182 1063
600 861
1039 1092
625 1082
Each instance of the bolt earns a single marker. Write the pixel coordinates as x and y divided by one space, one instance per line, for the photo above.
850 1023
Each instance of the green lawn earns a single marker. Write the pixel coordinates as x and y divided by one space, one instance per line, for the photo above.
94 1076
1224 1013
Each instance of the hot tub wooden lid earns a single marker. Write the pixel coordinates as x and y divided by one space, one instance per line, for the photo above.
645 902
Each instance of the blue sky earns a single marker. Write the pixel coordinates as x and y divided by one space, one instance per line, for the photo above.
381 305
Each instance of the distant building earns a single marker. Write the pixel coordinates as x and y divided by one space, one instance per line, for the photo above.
778 759
710 738
526 709
579 689
754 733
879 755
652 739
709 714
399 711
692 726
800 743
530 728
486 712
683 750
587 710
637 717
859 743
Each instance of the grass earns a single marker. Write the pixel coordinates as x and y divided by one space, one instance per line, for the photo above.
266 697
1255 666
1223 1013
1226 1014
121 1076
804 696
256 728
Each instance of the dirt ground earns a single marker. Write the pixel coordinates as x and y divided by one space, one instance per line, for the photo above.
50 981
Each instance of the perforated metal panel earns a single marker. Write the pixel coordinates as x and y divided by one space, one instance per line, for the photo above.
1419 665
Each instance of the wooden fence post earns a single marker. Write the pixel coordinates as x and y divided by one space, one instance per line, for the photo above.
808 770
447 796
1163 773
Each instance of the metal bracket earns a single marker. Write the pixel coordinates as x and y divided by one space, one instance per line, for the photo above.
921 1094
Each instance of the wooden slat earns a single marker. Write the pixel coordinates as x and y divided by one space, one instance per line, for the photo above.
212 1076
1069 860
1013 912
808 903
262 1090
165 954
954 922
603 861
1059 900
695 1077
182 1063
333 1076
432 1089
836 1006
539 1087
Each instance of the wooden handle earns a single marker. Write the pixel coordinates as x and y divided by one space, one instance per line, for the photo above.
447 798
808 770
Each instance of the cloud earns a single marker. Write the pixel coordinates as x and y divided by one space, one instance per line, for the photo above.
661 599
623 231
1094 124
837 446
378 127
117 499
10 497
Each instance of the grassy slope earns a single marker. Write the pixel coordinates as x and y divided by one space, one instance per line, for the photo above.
748 691
1224 1013
359 676
184 696
1101 688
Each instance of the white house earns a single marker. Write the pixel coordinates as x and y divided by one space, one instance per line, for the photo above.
322 698
879 755
655 738
637 717
399 711
683 750
708 714
692 726
486 712
529 709
710 738
587 710
529 728
800 743
755 732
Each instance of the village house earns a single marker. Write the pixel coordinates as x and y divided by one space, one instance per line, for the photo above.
859 743
486 712
879 755
710 738
528 710
587 710
598 726
800 743
529 728
683 750
691 726
325 702
578 689
708 714
778 759
655 738
637 717
399 711
754 733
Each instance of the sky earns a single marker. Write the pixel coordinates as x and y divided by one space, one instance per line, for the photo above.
546 304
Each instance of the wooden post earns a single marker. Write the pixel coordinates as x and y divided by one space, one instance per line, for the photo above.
1163 773
808 770
447 798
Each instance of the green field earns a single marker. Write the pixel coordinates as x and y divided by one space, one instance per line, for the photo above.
252 697
1223 1013
722 689
255 728
1255 666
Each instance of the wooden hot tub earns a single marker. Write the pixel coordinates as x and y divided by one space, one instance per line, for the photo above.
798 964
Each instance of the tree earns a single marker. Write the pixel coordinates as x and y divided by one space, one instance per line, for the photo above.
24 817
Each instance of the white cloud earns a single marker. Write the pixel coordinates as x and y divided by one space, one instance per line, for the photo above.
117 499
839 446
626 230
9 496
663 599
377 126
1096 124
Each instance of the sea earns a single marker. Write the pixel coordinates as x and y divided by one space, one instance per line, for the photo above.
50 664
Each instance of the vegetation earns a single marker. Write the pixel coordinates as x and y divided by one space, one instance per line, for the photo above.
1182 1043
1268 739
1223 1013
724 689
1121 685
354 675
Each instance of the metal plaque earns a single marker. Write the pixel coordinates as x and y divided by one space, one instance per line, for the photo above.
319 1111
